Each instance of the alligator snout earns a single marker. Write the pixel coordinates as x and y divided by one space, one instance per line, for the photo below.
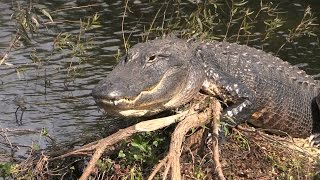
112 96
114 89
122 97
107 92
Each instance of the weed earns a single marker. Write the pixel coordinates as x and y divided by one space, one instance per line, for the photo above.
271 26
104 164
242 142
5 169
27 20
142 149
198 173
76 45
304 28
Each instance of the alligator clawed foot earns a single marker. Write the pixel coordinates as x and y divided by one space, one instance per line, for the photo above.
314 140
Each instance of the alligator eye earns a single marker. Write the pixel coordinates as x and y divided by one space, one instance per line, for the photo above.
125 59
151 58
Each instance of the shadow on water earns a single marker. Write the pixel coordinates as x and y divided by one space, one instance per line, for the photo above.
57 96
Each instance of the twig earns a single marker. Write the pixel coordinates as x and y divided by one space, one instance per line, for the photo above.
76 7
122 26
12 43
158 167
114 138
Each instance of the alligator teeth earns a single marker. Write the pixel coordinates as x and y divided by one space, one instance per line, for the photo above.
110 102
115 102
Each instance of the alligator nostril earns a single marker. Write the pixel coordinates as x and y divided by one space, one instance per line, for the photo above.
104 93
106 90
113 95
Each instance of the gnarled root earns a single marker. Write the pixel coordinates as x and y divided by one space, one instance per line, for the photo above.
215 149
197 115
193 120
144 126
122 134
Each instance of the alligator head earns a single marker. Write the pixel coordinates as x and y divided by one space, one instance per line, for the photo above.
154 76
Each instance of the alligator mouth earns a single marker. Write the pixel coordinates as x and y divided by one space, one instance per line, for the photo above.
133 103
125 107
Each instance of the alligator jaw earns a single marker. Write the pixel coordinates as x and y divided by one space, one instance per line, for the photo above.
135 113
115 102
112 108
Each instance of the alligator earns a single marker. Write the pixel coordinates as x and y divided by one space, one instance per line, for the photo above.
257 87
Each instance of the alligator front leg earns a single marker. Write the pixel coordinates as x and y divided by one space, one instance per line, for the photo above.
237 99
314 139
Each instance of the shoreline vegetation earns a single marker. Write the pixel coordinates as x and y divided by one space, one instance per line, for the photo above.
184 148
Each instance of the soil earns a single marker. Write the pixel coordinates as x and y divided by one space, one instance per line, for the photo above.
252 154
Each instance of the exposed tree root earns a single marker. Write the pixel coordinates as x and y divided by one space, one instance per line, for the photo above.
215 149
195 119
199 113
122 134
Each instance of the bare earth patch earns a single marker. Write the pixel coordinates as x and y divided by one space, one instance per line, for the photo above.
247 153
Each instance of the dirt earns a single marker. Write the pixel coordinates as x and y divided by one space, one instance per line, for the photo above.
252 154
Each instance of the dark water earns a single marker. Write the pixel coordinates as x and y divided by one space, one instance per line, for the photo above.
64 107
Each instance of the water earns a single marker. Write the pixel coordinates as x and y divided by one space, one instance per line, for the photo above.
64 107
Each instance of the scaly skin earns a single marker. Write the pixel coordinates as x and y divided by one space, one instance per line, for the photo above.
276 95
166 73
